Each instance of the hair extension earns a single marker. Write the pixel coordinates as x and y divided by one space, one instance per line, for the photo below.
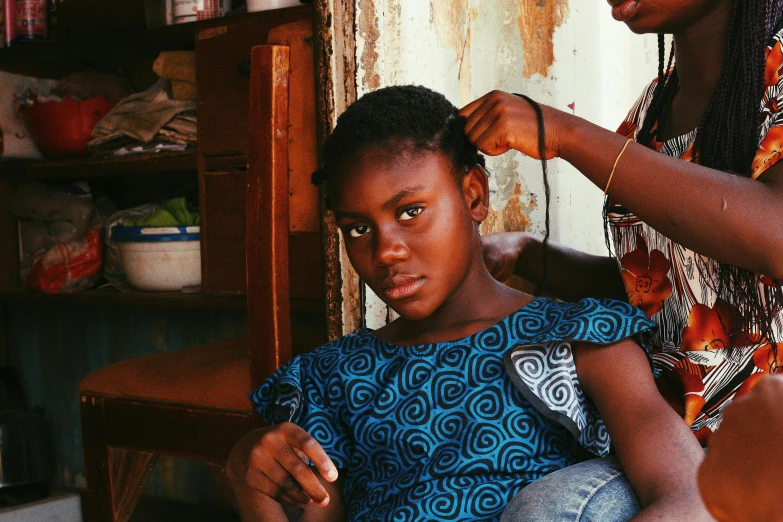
545 171
727 139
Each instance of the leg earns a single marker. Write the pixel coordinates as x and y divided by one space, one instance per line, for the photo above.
115 477
592 491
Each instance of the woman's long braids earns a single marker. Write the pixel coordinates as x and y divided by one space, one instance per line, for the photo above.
727 139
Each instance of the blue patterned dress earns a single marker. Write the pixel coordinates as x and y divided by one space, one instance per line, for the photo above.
450 430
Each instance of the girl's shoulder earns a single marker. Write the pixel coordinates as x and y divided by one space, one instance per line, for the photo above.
543 368
307 377
599 321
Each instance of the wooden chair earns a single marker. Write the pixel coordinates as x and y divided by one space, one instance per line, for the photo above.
193 402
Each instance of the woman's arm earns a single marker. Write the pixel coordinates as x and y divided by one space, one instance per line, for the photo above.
571 275
655 447
729 218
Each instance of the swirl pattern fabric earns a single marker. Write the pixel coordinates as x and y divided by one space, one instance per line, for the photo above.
545 373
438 431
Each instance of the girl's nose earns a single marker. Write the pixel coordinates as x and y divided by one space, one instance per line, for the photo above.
388 249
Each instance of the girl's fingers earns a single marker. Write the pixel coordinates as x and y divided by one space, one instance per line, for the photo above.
301 455
276 483
302 475
305 443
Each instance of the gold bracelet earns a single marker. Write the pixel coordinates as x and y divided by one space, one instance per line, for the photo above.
616 161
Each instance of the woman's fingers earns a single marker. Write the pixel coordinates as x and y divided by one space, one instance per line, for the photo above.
479 115
494 140
488 120
468 109
501 121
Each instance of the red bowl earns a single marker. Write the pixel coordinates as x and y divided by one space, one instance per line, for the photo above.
62 129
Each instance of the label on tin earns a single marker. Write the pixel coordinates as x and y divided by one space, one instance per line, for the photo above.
30 19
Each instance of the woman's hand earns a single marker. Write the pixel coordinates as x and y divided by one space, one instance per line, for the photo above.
273 462
499 122
741 476
502 252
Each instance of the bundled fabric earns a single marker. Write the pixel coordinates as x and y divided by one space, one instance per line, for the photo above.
180 68
150 117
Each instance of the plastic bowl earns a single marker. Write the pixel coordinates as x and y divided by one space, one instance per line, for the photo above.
62 129
160 259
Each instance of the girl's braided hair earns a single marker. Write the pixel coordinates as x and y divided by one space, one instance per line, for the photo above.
407 118
410 118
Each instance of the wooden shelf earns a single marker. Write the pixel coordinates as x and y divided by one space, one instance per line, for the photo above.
53 59
112 297
101 166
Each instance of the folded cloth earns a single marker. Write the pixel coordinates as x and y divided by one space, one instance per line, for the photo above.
172 213
183 90
176 65
185 123
139 116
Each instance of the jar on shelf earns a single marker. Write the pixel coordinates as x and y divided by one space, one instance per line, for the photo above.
30 19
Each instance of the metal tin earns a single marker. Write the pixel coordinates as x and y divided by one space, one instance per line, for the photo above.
184 11
30 19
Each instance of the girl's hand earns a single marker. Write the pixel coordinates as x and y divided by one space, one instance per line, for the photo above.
500 121
502 252
273 461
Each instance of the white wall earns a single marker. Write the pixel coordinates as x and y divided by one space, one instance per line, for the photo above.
558 52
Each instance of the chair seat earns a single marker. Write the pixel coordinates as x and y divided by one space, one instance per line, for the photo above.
213 376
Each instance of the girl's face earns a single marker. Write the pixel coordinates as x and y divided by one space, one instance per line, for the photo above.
665 16
409 226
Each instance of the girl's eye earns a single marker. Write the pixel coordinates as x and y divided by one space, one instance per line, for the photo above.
410 213
358 231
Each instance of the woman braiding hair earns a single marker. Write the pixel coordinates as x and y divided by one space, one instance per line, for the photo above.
694 203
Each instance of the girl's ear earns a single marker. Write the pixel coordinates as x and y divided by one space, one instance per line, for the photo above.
475 189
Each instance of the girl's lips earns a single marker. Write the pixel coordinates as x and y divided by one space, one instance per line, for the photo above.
404 290
624 11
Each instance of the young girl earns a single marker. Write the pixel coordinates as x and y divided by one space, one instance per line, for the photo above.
472 394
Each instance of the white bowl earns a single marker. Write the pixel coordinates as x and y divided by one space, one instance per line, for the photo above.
160 259
265 5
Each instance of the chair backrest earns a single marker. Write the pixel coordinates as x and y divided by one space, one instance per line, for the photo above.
267 213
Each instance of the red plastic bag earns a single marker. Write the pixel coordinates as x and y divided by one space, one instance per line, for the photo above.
68 267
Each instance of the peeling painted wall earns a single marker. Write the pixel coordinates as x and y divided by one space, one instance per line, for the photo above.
569 54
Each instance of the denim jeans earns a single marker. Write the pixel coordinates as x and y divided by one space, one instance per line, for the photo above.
593 491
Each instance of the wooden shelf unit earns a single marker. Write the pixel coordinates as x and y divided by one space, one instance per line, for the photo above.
112 297
216 168
101 166
115 298
55 58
